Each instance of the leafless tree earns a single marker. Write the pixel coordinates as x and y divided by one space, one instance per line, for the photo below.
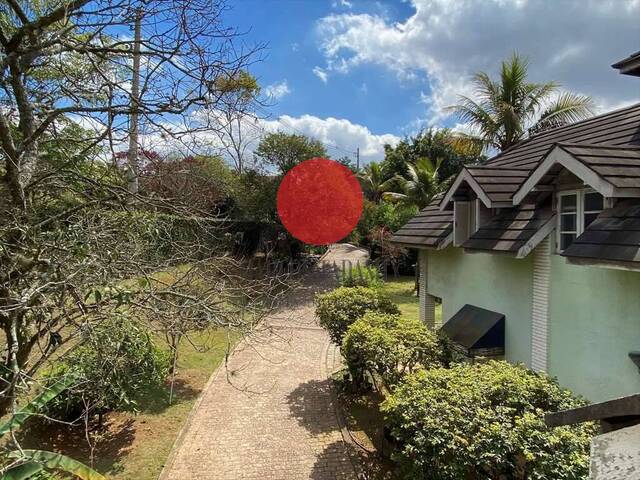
74 240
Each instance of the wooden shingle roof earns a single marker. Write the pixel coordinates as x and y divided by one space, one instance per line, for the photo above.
614 235
503 175
619 165
609 145
513 231
430 228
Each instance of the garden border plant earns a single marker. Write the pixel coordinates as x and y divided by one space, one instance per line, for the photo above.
484 421
388 346
339 308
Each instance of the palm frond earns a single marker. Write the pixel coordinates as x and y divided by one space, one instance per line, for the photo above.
568 108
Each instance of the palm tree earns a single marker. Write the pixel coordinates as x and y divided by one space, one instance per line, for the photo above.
509 107
373 182
421 185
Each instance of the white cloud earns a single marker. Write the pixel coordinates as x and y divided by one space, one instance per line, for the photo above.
320 73
277 90
340 136
444 42
342 3
337 132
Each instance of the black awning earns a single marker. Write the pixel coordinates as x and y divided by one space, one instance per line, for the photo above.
475 328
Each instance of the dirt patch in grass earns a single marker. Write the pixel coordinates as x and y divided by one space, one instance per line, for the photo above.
136 446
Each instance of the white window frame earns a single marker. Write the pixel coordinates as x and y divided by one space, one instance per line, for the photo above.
580 212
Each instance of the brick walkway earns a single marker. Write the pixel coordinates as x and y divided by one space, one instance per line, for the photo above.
269 415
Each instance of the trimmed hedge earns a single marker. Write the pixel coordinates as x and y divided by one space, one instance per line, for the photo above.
484 421
389 346
341 307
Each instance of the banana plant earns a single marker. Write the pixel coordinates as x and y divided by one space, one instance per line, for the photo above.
29 464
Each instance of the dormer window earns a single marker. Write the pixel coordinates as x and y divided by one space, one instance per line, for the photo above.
577 209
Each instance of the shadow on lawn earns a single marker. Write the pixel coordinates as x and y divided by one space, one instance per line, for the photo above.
110 442
156 400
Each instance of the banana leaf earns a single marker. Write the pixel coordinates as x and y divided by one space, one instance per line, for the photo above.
22 472
56 461
36 405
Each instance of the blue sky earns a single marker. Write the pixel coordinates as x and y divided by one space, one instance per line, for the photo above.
364 73
290 30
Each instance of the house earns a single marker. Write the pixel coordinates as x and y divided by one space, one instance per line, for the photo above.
546 236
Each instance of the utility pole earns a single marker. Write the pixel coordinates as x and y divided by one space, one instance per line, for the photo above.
132 154
358 158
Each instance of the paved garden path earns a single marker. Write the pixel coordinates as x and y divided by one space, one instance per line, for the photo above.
269 415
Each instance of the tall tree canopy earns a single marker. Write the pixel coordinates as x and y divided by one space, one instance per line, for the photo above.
450 149
420 184
73 58
504 110
284 150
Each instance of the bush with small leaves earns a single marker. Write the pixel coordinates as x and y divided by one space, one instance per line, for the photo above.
339 308
388 346
484 421
116 362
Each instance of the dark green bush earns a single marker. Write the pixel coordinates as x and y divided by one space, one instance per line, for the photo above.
361 276
341 307
388 346
116 362
484 421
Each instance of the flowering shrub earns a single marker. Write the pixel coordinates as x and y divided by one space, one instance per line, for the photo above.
341 307
484 421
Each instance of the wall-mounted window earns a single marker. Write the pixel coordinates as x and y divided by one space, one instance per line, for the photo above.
577 209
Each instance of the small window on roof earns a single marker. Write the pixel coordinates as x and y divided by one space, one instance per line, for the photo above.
568 219
576 211
593 205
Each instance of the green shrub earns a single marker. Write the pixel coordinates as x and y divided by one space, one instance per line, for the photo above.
361 276
389 346
116 362
339 308
484 421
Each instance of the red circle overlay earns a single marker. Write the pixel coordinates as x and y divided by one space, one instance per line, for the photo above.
319 201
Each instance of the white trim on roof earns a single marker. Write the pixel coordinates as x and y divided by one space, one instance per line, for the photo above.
465 176
559 156
537 238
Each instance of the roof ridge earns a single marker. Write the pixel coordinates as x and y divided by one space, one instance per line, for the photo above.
557 129
599 145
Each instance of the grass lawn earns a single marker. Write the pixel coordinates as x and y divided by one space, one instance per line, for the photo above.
136 446
400 290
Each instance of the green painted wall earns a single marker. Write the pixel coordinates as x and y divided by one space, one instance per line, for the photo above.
594 315
495 282
594 322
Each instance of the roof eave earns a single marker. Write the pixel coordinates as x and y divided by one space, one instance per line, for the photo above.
442 244
603 263
629 66
559 156
465 176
